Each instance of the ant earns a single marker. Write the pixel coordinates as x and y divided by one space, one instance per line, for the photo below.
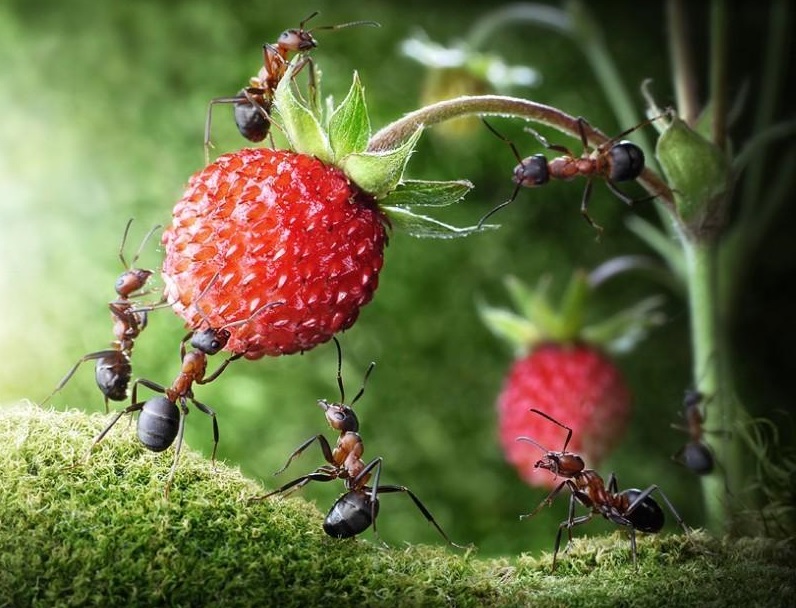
615 160
161 420
253 103
356 510
695 455
113 368
635 509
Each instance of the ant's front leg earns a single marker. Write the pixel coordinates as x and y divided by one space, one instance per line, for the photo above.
547 501
296 484
584 208
543 140
325 448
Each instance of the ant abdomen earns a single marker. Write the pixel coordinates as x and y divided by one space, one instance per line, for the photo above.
626 161
158 423
350 515
112 373
647 515
696 457
249 118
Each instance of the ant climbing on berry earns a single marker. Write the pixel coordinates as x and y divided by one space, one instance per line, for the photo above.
253 103
695 455
113 368
356 510
162 418
634 509
615 160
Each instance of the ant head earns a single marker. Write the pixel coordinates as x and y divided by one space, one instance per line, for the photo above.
626 161
561 464
340 416
691 399
210 341
532 171
131 281
296 41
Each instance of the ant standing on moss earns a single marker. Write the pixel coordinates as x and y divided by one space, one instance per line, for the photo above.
357 509
616 160
161 420
253 103
113 368
632 508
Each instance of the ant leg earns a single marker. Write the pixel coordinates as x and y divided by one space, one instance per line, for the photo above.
209 411
584 208
298 483
128 410
207 143
612 485
325 448
140 247
98 355
361 477
154 386
624 197
220 369
633 550
547 501
543 140
177 448
640 498
569 524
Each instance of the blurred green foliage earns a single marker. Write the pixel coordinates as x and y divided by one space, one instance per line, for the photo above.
103 108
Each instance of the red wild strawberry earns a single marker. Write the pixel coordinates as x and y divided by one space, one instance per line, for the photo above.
562 370
275 226
304 228
577 385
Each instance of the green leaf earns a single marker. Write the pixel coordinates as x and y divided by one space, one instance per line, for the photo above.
515 329
349 125
418 193
301 126
534 304
378 173
422 226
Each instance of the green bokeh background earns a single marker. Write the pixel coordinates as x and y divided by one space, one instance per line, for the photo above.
103 108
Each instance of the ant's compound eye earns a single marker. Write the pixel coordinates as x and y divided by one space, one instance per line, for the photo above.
627 161
532 171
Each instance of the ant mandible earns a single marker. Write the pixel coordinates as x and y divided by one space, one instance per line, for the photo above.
634 509
615 160
113 368
695 455
253 103
356 510
161 420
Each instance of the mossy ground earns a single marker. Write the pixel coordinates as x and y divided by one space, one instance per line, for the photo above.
101 533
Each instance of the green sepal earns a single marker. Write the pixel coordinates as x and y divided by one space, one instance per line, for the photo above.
419 193
698 173
534 304
423 226
301 126
349 124
621 332
377 173
573 307
515 329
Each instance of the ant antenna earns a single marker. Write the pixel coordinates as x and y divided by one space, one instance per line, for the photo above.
334 27
554 421
340 375
532 442
140 247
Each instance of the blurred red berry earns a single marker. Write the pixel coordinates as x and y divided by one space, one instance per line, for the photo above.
574 384
274 226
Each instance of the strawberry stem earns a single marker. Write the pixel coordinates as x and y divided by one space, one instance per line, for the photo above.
399 131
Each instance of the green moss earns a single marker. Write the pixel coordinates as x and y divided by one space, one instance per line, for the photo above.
101 533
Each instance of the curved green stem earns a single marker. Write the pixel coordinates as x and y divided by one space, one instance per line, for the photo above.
399 131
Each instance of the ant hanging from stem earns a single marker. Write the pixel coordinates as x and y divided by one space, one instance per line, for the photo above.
356 510
634 509
113 368
161 420
695 455
253 103
615 160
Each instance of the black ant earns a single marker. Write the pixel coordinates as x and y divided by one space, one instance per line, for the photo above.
253 103
113 368
161 420
615 160
695 455
635 509
356 510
